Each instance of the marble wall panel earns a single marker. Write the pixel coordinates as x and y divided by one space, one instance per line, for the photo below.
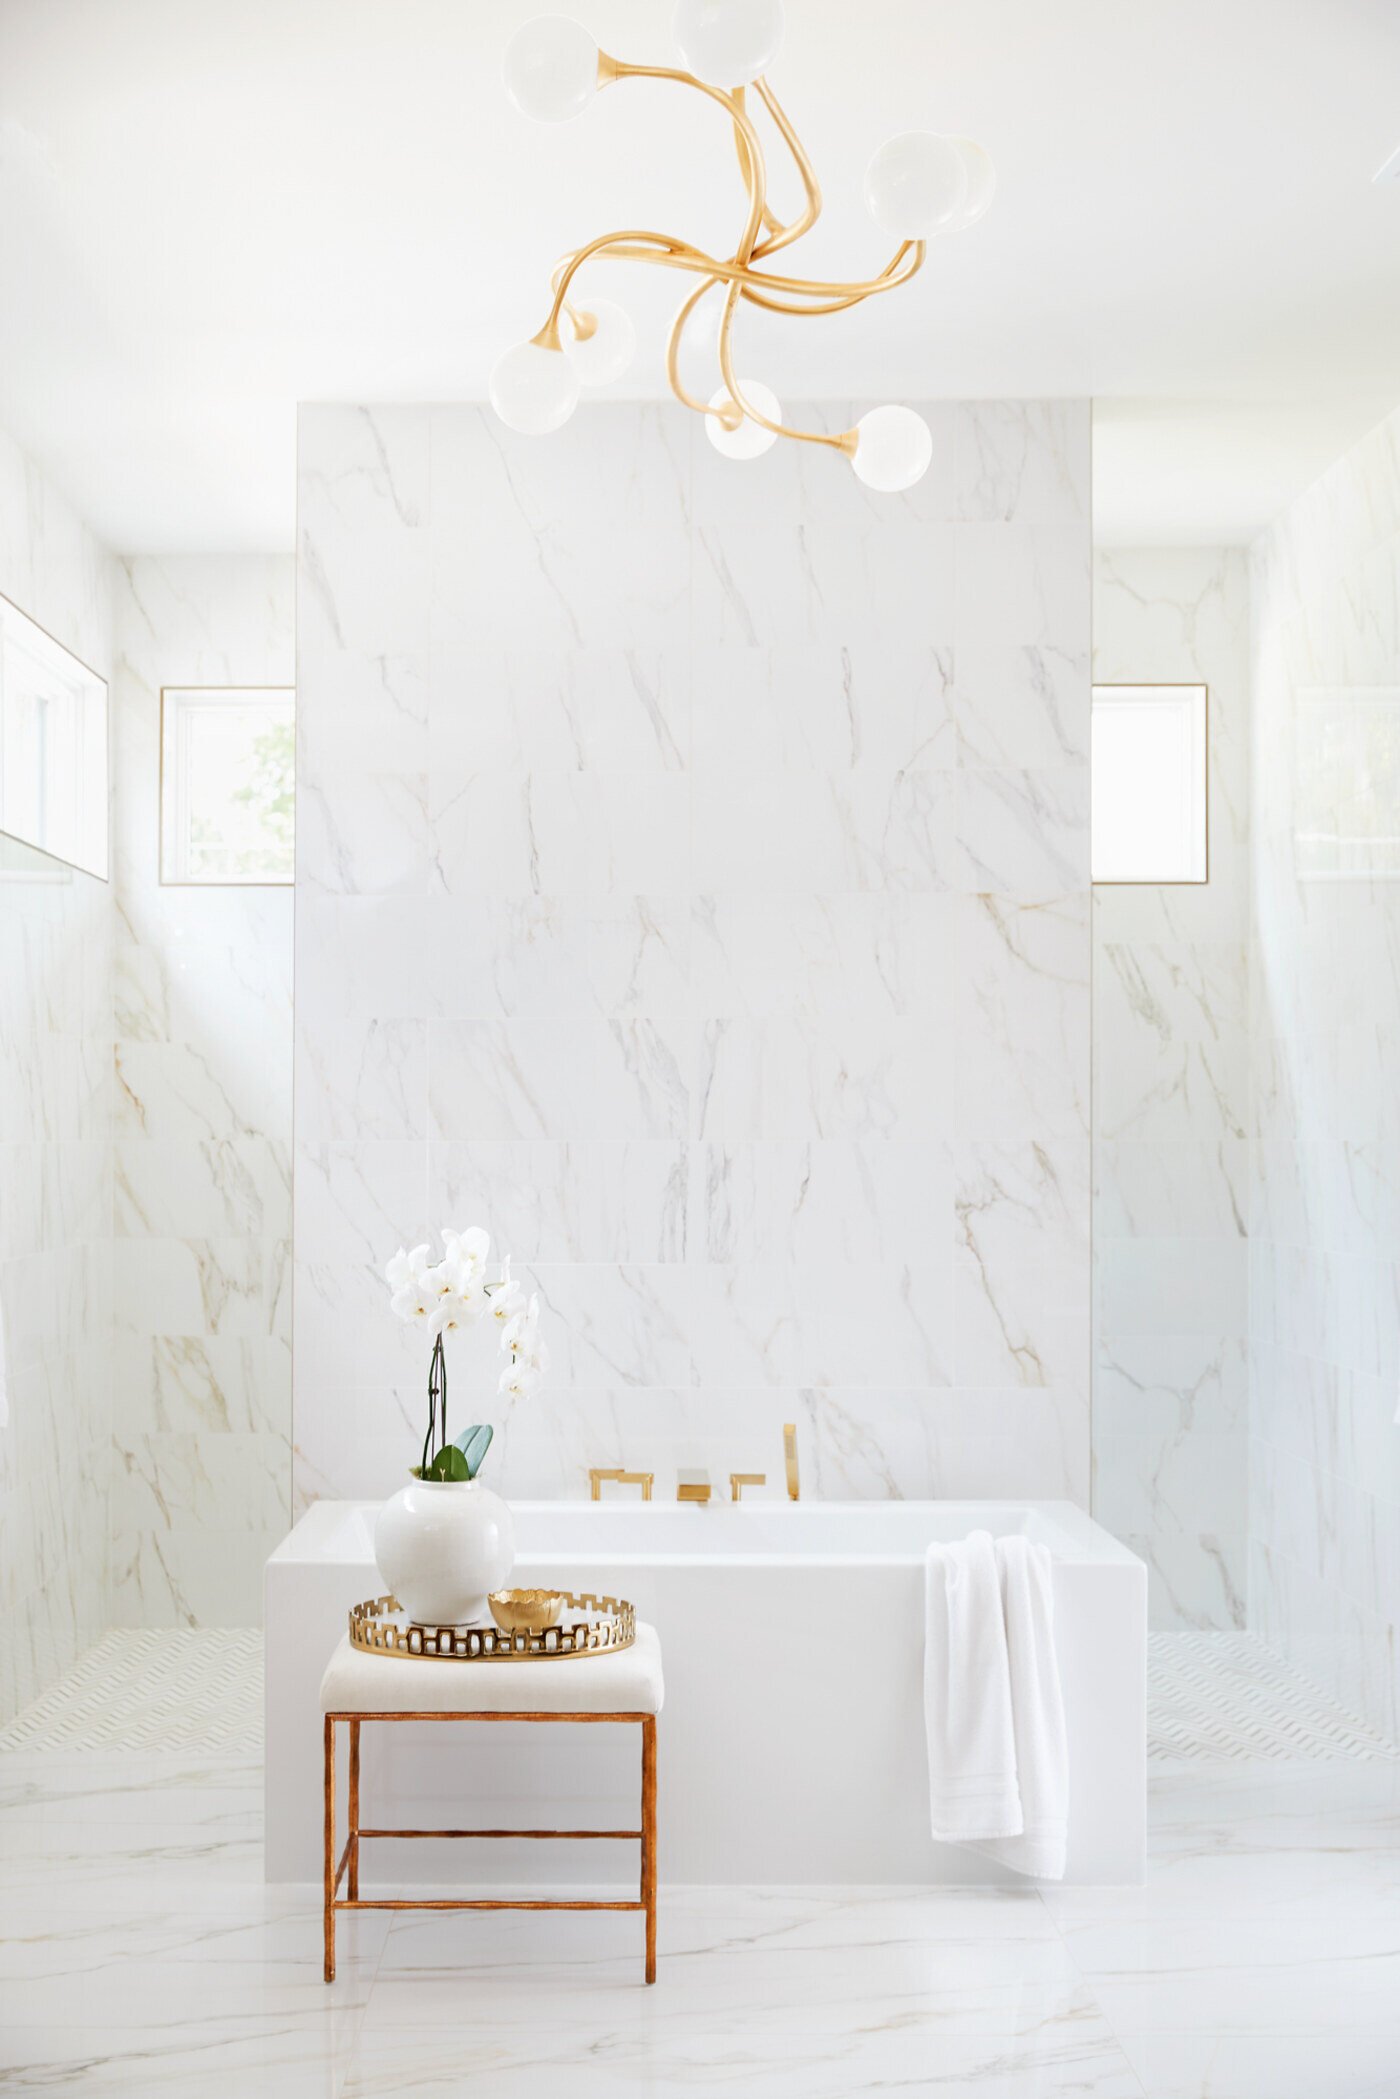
1325 1027
200 1464
1171 1119
694 886
56 991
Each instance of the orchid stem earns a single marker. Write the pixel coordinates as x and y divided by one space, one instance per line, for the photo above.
437 1400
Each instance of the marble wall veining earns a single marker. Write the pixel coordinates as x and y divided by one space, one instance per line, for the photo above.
201 1465
56 941
693 885
1171 1119
1325 1044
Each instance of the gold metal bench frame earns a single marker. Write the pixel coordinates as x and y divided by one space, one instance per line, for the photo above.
347 1868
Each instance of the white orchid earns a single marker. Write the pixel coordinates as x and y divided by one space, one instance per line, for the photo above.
468 1251
473 1288
537 1359
406 1268
516 1382
446 1296
518 1334
448 1316
416 1303
459 1300
507 1298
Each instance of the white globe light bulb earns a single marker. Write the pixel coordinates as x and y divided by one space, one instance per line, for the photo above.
916 185
534 390
728 42
605 351
981 183
893 449
747 439
551 69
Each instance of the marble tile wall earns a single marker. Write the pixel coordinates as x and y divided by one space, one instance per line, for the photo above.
1171 1119
693 885
1325 1054
201 1465
56 941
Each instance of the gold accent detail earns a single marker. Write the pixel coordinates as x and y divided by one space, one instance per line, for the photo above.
526 1610
794 1485
739 1480
763 235
475 1643
693 1486
598 1473
349 1860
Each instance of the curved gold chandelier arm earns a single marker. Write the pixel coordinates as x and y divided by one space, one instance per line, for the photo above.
675 254
775 292
780 236
746 134
673 351
837 297
783 237
751 160
771 222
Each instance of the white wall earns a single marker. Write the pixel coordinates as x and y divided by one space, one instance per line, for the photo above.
693 886
55 1158
202 1416
1171 1119
1325 1205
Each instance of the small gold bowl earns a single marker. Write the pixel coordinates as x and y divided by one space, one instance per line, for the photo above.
526 1610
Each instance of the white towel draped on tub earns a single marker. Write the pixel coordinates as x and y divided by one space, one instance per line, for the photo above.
995 1718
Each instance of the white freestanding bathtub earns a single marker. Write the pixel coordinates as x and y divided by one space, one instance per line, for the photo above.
791 1748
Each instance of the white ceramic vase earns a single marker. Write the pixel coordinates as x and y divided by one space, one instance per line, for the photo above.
442 1546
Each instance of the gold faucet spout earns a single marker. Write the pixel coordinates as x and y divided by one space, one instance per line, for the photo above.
739 1480
794 1485
598 1473
693 1486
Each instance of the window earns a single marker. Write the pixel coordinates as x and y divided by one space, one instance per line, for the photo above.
227 774
1147 783
53 746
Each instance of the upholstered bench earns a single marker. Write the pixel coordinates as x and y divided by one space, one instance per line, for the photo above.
623 1688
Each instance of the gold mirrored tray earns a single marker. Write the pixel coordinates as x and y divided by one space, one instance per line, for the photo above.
380 1627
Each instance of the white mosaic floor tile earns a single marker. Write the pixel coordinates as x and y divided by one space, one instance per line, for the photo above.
1227 1695
153 1690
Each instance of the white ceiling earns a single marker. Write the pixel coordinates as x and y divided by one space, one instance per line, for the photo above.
210 211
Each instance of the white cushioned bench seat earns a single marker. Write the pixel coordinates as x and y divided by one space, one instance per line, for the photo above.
626 1682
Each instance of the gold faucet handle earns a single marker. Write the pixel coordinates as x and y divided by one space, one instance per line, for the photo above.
598 1473
739 1480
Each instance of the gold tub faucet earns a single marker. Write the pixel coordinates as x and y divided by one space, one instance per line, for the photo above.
598 1473
739 1480
693 1486
794 1486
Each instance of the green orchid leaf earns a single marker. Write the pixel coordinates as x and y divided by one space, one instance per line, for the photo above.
474 1442
449 1464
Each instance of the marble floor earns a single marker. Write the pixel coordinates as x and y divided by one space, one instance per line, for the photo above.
140 1952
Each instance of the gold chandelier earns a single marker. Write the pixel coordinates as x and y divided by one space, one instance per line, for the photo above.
916 185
